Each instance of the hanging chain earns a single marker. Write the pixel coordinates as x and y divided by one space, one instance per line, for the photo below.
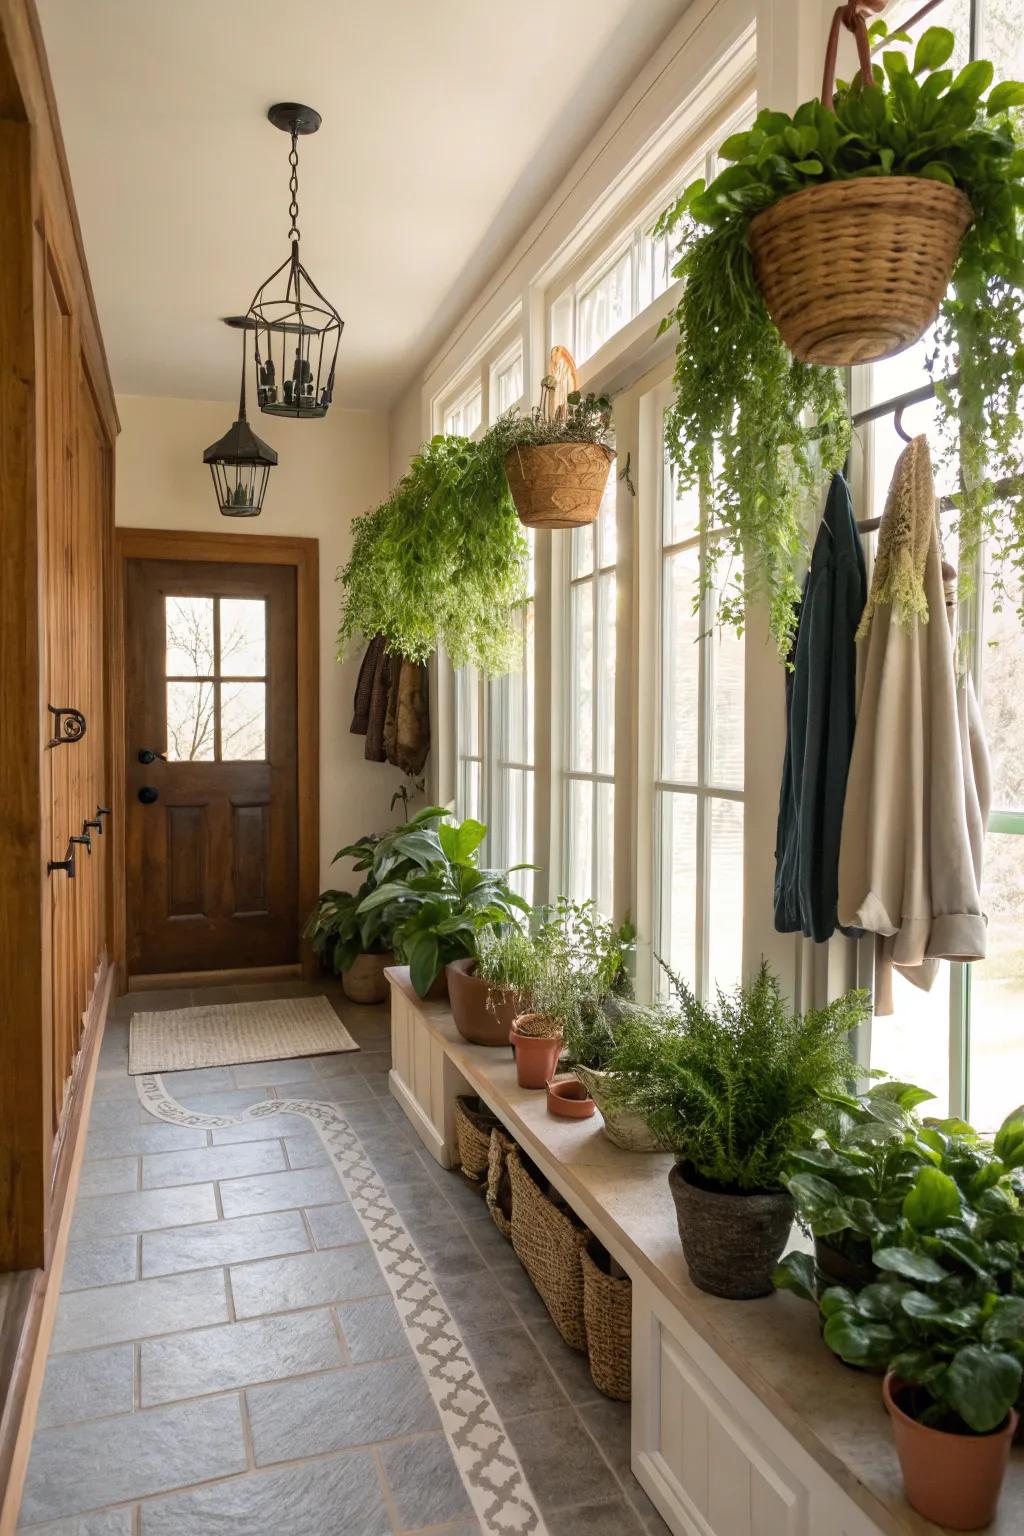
293 187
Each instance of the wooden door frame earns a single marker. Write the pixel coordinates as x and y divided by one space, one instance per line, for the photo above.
227 549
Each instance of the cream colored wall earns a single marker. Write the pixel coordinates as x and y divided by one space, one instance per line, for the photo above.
328 472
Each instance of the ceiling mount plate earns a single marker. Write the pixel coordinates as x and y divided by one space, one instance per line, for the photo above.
292 117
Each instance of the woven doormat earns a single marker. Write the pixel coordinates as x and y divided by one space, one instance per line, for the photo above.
227 1034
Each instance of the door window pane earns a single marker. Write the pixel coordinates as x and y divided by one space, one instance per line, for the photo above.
725 894
677 887
190 726
243 722
243 637
189 636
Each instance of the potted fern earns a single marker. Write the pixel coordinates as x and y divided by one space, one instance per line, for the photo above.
899 156
730 1090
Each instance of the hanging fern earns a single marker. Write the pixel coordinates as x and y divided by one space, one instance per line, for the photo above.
441 562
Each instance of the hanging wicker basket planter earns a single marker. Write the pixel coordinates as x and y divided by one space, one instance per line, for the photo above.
854 271
558 485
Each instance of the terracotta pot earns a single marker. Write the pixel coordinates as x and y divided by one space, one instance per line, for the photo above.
364 981
628 1131
483 1014
568 1097
536 1058
731 1242
954 1480
437 992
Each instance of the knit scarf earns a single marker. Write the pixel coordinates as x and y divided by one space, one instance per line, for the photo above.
904 536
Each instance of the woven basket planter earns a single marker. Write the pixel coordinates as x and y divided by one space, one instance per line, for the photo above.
473 1126
548 1243
499 1185
854 271
364 981
608 1315
731 1243
628 1131
558 485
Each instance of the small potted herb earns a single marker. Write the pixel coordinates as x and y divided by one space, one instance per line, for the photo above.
730 1090
487 990
946 1321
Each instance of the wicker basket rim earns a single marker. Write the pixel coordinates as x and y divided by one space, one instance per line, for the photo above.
528 450
534 1014
869 190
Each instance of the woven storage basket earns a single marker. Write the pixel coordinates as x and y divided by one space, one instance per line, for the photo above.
548 1243
608 1314
558 485
853 271
499 1185
473 1127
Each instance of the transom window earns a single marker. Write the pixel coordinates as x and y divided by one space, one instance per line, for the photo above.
216 678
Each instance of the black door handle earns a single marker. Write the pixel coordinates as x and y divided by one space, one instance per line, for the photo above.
147 756
148 795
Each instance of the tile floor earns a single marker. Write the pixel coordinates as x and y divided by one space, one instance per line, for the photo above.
227 1359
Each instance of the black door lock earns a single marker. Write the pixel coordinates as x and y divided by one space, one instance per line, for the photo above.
147 756
148 795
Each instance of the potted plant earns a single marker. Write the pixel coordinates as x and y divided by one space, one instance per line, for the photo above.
853 187
556 464
438 908
359 946
730 1091
946 1321
487 990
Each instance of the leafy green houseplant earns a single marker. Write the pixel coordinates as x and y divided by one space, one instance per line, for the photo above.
354 947
437 910
946 1320
730 1089
758 432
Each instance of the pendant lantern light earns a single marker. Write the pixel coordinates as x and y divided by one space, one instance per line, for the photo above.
240 463
296 329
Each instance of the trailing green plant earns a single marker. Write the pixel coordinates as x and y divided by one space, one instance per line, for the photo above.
947 1313
755 431
586 419
441 562
582 965
437 909
735 1084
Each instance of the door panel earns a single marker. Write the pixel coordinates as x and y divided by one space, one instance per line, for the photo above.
212 859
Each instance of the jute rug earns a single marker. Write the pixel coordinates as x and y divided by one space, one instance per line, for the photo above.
227 1034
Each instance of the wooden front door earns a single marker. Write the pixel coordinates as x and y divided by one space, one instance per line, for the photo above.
212 872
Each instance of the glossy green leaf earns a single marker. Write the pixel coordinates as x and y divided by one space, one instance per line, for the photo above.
934 48
981 1384
933 1200
909 1263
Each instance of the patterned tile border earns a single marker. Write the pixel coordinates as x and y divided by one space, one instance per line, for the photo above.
487 1461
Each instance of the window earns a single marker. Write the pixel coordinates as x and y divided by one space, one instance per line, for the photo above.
511 706
469 744
216 663
507 382
698 800
590 746
963 1039
464 417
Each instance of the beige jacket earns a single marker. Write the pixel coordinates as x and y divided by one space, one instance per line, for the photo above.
917 795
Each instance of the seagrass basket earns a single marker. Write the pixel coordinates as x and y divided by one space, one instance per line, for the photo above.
473 1126
558 485
608 1315
854 271
499 1185
548 1242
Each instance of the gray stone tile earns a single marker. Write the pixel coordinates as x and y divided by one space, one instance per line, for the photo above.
561 1461
467 1199
223 1242
142 1210
114 1083
270 1128
130 1140
335 1226
515 1372
108 1522
199 1080
344 1091
521 1295
396 1162
495 1249
229 1102
279 1191
266 1074
373 1329
339 1065
449 1252
608 1422
355 1406
306 1280
109 1176
608 1517
340 1496
425 1482
305 1153
116 1114
573 1369
112 1460
162 1169
237 1355
89 1385
369 1115
112 1313
418 1199
100 1261
473 1305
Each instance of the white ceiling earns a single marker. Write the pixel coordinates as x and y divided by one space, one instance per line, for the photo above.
446 125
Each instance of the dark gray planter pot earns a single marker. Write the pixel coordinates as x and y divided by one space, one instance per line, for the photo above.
731 1243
